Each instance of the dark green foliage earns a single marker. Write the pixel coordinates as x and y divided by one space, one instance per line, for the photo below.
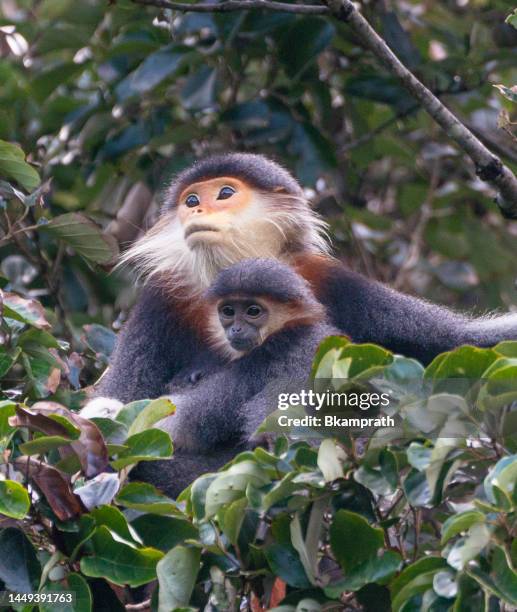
99 104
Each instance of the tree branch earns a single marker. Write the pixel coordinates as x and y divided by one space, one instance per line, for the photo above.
228 6
489 167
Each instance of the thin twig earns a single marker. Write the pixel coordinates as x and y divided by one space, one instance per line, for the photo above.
425 214
489 168
228 6
143 605
11 233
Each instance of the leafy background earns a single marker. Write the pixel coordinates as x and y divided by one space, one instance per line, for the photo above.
99 105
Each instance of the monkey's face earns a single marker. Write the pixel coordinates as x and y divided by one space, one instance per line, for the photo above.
244 321
208 209
226 212
216 222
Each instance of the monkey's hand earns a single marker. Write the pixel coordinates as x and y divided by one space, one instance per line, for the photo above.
105 407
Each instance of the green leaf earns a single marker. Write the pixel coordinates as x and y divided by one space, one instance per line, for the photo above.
198 492
467 548
285 563
326 354
78 585
25 310
14 499
389 467
416 488
512 19
330 460
177 573
130 411
507 348
232 519
7 410
119 563
144 446
100 339
409 573
457 523
20 569
42 445
84 236
502 475
466 362
14 166
420 584
152 413
353 540
365 357
43 372
316 33
232 484
163 532
115 521
419 456
152 71
373 479
198 93
377 569
502 581
7 360
146 498
47 80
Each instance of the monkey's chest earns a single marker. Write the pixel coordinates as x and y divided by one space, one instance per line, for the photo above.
194 372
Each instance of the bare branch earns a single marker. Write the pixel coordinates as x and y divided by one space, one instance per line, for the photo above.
489 168
228 6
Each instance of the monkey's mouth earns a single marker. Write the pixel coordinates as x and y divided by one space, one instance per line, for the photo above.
243 344
194 229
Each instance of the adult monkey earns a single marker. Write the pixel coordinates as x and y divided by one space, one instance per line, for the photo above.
236 206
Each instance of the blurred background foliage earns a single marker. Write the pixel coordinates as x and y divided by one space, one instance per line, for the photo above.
109 99
100 103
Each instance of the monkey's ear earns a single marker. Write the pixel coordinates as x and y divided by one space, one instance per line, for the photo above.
279 189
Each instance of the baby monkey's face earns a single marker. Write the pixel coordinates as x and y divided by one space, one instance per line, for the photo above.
244 322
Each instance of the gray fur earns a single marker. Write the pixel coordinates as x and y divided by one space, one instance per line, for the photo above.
219 415
257 170
261 277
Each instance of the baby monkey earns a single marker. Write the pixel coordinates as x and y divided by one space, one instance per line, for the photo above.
266 322
256 299
244 322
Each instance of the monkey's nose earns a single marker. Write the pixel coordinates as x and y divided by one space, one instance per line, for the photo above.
236 330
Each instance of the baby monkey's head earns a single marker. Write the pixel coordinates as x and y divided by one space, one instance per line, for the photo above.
254 299
244 321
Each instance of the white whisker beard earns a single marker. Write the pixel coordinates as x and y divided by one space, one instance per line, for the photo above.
262 230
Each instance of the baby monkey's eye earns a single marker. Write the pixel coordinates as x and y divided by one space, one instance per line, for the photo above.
254 311
226 192
192 200
228 311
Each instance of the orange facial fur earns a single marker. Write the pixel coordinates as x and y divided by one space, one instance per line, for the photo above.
207 192
246 225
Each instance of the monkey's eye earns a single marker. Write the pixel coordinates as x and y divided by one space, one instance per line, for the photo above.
192 200
254 311
226 192
228 311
